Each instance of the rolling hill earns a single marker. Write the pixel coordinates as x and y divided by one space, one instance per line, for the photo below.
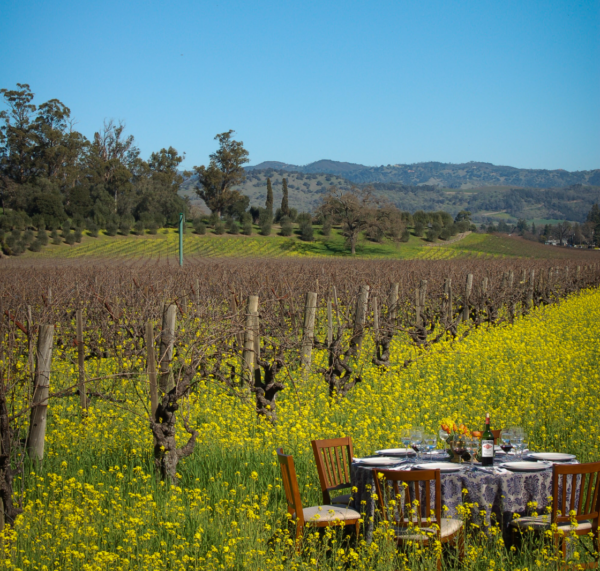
466 175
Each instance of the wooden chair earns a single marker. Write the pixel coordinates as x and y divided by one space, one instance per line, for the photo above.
333 458
412 521
584 500
318 516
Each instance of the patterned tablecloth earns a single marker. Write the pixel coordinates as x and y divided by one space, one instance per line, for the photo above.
503 493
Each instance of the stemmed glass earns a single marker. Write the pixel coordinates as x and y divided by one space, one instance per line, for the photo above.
405 438
416 438
444 437
507 440
459 447
429 442
518 434
472 445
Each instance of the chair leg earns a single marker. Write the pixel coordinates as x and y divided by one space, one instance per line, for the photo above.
357 525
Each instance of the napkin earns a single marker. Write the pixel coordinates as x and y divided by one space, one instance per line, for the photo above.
492 469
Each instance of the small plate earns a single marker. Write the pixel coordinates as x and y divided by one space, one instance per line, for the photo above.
526 466
444 467
381 461
552 456
395 452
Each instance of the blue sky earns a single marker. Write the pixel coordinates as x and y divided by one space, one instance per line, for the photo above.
512 82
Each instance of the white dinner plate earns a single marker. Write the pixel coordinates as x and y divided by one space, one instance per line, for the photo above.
552 456
444 467
381 461
395 451
526 466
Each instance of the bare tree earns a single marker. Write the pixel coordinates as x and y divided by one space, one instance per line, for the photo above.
359 210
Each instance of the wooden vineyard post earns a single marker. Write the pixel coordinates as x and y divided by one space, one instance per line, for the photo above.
393 303
468 291
81 361
447 302
151 368
329 324
360 316
511 278
37 423
197 292
376 321
310 310
249 345
167 342
420 295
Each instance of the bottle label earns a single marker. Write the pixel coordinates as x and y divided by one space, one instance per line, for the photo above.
487 448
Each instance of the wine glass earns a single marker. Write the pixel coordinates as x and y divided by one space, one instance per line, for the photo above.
507 441
459 447
416 438
429 442
444 437
517 433
405 438
472 446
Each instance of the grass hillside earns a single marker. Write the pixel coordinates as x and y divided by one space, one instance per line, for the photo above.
165 247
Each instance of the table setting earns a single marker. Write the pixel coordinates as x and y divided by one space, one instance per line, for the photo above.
516 476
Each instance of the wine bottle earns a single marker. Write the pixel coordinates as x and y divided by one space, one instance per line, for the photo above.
487 444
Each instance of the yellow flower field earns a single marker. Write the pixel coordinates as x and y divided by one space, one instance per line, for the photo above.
95 504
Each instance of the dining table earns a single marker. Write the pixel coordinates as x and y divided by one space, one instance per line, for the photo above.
491 494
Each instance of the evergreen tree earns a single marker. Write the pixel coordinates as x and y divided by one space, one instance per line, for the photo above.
269 203
285 207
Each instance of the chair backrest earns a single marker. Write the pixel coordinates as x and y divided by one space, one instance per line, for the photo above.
290 485
397 497
584 499
333 458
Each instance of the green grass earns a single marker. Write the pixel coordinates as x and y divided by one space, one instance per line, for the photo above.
500 245
164 246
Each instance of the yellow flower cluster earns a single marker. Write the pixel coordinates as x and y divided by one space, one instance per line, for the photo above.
96 504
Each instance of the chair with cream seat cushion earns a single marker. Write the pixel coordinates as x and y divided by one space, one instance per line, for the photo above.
574 514
398 494
318 516
544 523
333 458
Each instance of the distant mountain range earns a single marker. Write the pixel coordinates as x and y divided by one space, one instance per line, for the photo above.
445 175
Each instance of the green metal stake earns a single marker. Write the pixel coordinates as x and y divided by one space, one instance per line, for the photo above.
181 220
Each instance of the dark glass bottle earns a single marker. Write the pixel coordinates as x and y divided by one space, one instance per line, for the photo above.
487 444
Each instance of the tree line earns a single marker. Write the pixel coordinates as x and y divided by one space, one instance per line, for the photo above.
56 182
50 174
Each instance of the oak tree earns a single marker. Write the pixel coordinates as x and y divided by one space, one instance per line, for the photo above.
225 170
